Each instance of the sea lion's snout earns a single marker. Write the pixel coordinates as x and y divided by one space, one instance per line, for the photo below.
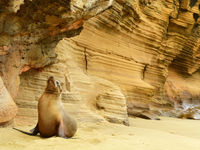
53 85
51 78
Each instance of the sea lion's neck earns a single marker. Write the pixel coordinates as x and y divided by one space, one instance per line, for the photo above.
51 94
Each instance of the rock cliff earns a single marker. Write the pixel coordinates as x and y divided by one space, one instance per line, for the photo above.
31 29
137 57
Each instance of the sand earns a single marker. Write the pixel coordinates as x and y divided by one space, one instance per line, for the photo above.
166 134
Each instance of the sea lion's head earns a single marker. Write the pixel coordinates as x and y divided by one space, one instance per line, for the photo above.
53 86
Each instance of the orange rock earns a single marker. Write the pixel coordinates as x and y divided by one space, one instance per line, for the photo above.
8 108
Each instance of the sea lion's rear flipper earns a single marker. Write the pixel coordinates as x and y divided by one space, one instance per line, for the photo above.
35 131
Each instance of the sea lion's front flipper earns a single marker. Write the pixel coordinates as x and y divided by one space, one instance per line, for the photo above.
61 131
35 130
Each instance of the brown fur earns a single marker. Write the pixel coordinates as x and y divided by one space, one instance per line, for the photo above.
52 117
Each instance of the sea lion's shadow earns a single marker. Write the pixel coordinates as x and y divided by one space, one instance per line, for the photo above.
72 138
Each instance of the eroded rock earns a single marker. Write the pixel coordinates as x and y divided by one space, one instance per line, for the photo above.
86 97
134 48
8 108
30 30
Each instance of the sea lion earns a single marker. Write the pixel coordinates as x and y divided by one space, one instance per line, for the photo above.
52 117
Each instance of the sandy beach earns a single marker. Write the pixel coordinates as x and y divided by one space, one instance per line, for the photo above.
166 134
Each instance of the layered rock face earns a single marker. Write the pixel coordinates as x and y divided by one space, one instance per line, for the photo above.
136 45
139 57
86 97
30 30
